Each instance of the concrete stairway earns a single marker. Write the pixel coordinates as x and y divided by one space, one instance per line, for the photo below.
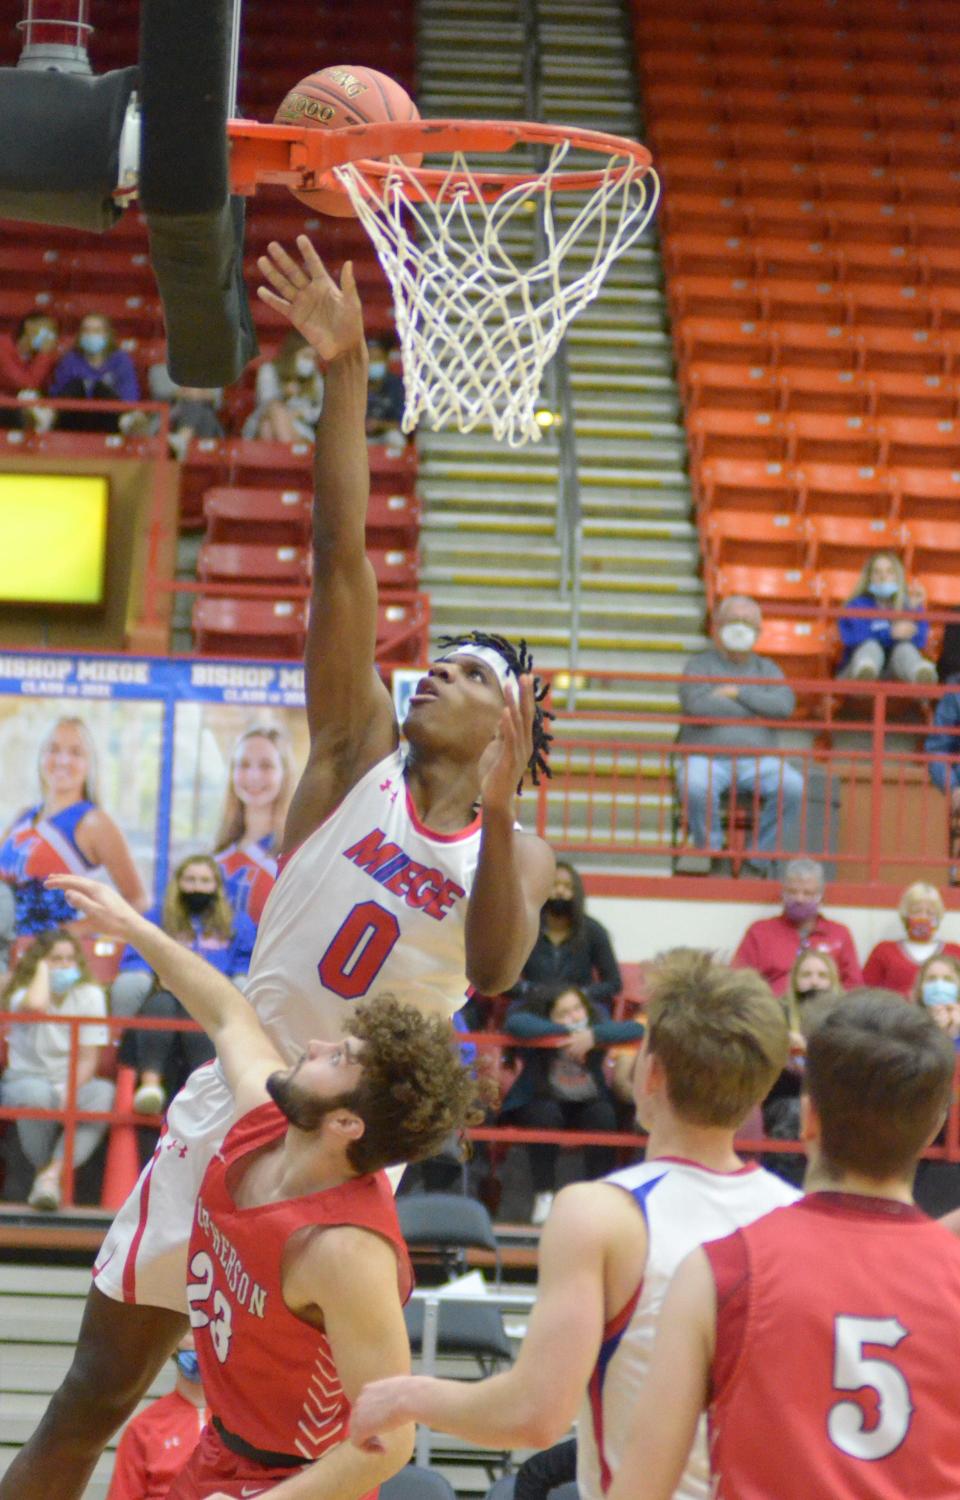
491 553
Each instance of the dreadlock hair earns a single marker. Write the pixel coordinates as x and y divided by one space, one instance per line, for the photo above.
520 661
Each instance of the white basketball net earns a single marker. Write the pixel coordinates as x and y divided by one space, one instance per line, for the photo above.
476 329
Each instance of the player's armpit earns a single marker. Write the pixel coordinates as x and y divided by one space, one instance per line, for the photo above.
513 879
675 1392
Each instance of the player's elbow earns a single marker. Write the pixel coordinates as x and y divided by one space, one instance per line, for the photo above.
541 1429
399 1448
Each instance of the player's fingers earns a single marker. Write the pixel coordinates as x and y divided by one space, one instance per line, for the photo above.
280 303
277 278
348 281
313 265
296 274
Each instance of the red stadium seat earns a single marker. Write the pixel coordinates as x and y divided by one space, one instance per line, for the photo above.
844 143
856 182
878 223
746 387
784 218
908 395
740 484
778 177
687 253
700 172
816 345
940 589
403 630
273 517
897 265
724 340
837 585
776 585
927 494
715 297
902 350
880 305
802 648
235 562
783 300
934 547
795 259
919 442
705 213
250 627
758 539
845 541
939 265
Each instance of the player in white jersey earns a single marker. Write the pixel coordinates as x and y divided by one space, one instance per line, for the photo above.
401 874
716 1040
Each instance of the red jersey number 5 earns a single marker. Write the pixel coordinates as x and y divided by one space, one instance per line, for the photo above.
855 1371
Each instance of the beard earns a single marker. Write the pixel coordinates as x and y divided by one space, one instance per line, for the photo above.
296 1103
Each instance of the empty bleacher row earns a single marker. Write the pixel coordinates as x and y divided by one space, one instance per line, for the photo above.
810 154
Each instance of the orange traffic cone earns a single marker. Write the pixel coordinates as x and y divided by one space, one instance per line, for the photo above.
123 1161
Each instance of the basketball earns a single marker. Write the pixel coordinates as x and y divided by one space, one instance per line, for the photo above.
340 96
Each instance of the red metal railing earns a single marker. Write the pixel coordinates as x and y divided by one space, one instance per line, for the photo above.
70 1116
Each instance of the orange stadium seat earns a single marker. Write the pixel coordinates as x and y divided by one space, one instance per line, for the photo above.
940 589
784 300
743 104
795 259
757 538
688 253
817 108
901 350
845 541
907 149
939 265
833 392
705 213
714 297
934 547
250 627
673 133
837 585
845 143
847 490
743 484
831 347
931 224
773 585
746 387
945 307
910 395
700 172
234 562
802 648
919 442
777 177
816 437
919 185
897 265
856 182
876 223
724 340
782 218
748 140
927 494
882 306
722 433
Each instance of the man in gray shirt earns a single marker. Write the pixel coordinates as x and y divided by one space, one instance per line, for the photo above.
704 778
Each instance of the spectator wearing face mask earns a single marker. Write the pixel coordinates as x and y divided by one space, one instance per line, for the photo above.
572 948
157 1442
705 778
197 913
97 369
813 977
878 646
772 945
385 397
27 359
895 964
937 986
289 395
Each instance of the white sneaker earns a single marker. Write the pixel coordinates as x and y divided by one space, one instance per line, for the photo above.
926 672
542 1205
866 672
149 1099
45 1193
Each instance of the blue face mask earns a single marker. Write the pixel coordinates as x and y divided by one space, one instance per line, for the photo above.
42 338
188 1364
377 370
93 343
940 992
62 980
884 589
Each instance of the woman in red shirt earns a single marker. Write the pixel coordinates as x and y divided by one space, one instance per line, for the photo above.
894 965
27 359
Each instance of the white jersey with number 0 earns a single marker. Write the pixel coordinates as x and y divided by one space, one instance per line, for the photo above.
684 1205
372 902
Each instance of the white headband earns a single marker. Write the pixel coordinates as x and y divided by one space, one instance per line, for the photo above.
489 657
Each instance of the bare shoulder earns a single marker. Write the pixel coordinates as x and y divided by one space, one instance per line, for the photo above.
346 1257
596 1215
538 859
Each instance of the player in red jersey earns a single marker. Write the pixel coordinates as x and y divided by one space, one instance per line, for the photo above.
450 890
297 1266
822 1338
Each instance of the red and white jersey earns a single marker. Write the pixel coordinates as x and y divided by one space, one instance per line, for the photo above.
683 1204
838 1324
268 1376
372 902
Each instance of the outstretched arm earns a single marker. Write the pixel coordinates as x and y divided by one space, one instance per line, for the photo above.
246 1052
515 869
534 1402
349 711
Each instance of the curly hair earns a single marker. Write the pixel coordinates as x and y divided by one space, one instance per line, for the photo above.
520 661
413 1091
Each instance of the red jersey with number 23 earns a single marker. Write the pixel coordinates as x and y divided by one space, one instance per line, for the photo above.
268 1376
838 1325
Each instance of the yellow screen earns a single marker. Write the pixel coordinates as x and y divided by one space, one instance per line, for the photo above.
53 531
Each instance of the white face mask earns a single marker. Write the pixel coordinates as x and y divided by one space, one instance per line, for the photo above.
738 636
305 366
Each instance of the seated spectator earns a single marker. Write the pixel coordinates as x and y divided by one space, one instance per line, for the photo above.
937 986
573 950
97 369
197 913
193 409
813 976
563 1088
894 965
881 647
52 980
705 778
289 395
247 843
772 945
945 773
27 359
385 397
157 1442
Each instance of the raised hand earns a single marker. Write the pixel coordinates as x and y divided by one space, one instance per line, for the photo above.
330 317
113 916
505 759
